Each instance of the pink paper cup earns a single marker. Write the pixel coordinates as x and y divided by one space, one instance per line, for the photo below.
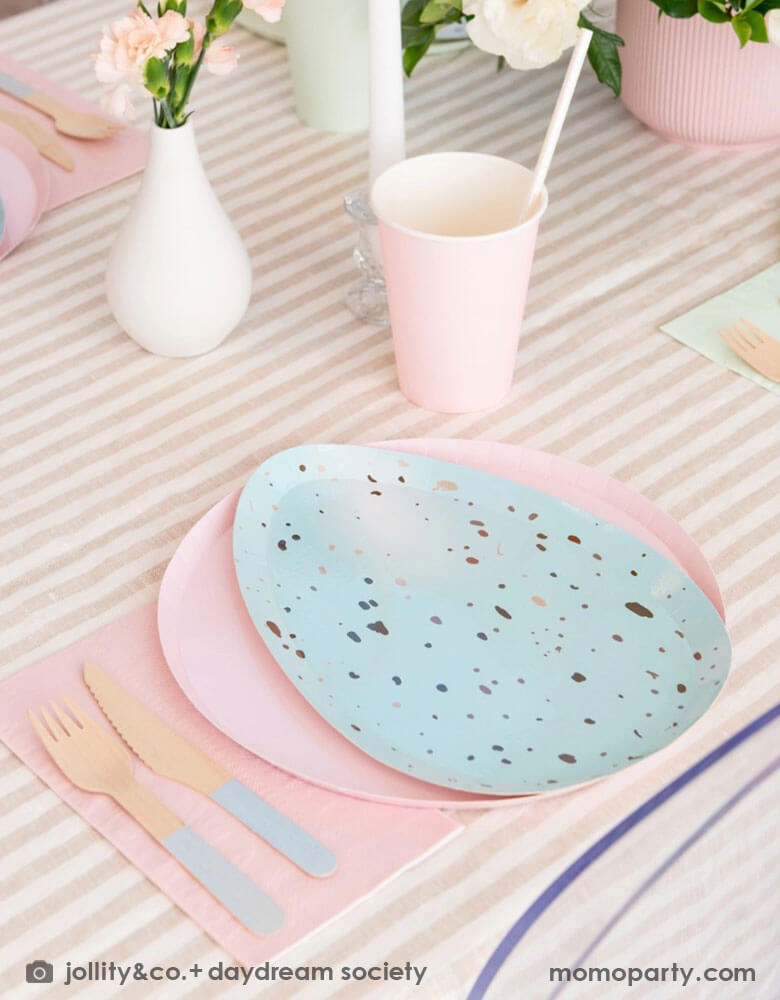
457 264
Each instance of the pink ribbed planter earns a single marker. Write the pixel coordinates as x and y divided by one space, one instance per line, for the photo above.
689 80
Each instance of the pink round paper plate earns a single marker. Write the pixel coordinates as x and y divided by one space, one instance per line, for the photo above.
24 188
227 672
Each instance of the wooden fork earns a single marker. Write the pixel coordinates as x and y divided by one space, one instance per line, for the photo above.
755 348
68 121
96 761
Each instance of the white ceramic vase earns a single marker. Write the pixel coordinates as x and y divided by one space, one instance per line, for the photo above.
179 277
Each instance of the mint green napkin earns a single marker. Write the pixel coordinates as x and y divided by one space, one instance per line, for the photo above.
757 300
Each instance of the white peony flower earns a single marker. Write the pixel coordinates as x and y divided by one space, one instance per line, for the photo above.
773 26
527 33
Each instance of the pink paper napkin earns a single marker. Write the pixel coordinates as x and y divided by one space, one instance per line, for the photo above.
373 842
97 163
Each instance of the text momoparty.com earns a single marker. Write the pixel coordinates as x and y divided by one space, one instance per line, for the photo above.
265 973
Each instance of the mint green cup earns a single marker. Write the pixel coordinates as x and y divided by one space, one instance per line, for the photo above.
327 46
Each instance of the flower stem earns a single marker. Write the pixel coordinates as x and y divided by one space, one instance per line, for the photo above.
182 106
168 114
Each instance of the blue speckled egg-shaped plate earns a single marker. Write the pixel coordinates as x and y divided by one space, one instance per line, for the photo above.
472 632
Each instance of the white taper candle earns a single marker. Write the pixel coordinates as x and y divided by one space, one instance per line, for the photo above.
388 132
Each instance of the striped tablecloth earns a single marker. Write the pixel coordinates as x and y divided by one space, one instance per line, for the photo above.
109 455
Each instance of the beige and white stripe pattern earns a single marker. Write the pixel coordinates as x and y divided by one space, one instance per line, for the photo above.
701 912
109 455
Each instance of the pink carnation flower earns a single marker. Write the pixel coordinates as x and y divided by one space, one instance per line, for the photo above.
118 102
127 46
270 10
220 59
198 34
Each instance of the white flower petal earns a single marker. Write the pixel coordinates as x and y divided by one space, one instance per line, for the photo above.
528 35
773 26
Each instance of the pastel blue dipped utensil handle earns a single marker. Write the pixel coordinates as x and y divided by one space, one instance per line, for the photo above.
236 891
276 829
16 88
168 754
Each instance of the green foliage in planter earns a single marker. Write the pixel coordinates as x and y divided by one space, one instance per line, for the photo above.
421 20
747 17
677 8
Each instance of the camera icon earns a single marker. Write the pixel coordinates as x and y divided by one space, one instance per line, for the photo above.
40 972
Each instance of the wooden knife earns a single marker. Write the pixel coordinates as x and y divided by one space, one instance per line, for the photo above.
171 756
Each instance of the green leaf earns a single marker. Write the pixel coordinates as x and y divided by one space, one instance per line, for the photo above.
758 32
414 53
678 8
184 53
222 15
604 56
711 11
181 79
420 20
742 29
447 14
410 15
156 79
585 22
439 12
412 32
415 34
433 12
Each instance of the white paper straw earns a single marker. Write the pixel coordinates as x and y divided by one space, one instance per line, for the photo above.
558 118
387 133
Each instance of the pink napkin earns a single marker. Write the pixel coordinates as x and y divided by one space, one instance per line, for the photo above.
373 842
97 163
